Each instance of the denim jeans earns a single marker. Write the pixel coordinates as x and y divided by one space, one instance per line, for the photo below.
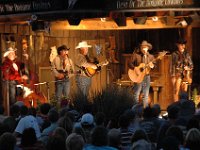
83 84
62 88
143 87
11 89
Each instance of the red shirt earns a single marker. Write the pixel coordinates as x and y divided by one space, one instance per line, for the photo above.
9 73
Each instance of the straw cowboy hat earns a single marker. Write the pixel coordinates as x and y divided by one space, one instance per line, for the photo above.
145 43
8 51
83 44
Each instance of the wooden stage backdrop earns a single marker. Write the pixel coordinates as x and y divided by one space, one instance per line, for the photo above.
126 40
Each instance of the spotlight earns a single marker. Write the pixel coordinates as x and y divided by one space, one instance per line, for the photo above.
155 18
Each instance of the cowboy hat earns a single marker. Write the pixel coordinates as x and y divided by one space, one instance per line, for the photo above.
8 51
181 41
63 47
145 43
83 44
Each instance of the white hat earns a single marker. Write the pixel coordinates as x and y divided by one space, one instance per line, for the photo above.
8 51
83 44
87 119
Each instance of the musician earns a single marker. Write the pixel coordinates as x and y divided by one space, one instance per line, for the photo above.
63 68
180 65
11 74
144 58
82 62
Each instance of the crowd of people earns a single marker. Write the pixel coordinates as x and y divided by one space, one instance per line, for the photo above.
49 128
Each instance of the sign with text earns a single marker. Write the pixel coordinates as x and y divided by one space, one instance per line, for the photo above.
16 6
141 4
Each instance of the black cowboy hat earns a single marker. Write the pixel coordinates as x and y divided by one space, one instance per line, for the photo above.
181 41
63 47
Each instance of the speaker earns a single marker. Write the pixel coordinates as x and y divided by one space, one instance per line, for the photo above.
74 21
120 21
38 26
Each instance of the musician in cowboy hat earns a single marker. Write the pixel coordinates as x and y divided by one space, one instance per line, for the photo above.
139 68
11 73
181 67
83 62
63 69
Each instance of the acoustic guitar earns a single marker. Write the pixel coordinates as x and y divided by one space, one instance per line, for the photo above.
67 74
91 72
137 74
187 76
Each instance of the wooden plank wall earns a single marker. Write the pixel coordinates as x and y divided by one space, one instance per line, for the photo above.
39 52
126 40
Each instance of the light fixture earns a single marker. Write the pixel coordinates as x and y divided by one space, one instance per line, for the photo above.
155 18
140 20
103 19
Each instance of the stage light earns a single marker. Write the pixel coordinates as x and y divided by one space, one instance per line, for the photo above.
140 20
155 18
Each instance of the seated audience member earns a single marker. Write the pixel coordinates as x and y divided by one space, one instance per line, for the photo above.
114 138
55 143
148 124
29 140
87 123
47 132
192 139
8 141
99 140
74 142
100 119
42 116
11 121
125 134
27 121
59 131
170 143
66 123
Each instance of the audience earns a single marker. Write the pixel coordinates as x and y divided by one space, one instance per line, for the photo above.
136 128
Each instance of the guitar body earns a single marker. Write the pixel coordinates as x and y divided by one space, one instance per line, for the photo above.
137 74
91 72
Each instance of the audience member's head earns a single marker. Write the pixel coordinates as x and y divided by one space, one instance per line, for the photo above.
147 112
28 137
138 135
44 108
156 110
79 130
114 137
7 141
53 116
99 136
87 120
170 143
55 143
66 123
176 132
59 131
192 139
23 110
74 142
173 111
193 123
141 145
100 118
124 121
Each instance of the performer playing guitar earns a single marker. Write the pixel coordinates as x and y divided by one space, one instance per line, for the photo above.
62 68
144 58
